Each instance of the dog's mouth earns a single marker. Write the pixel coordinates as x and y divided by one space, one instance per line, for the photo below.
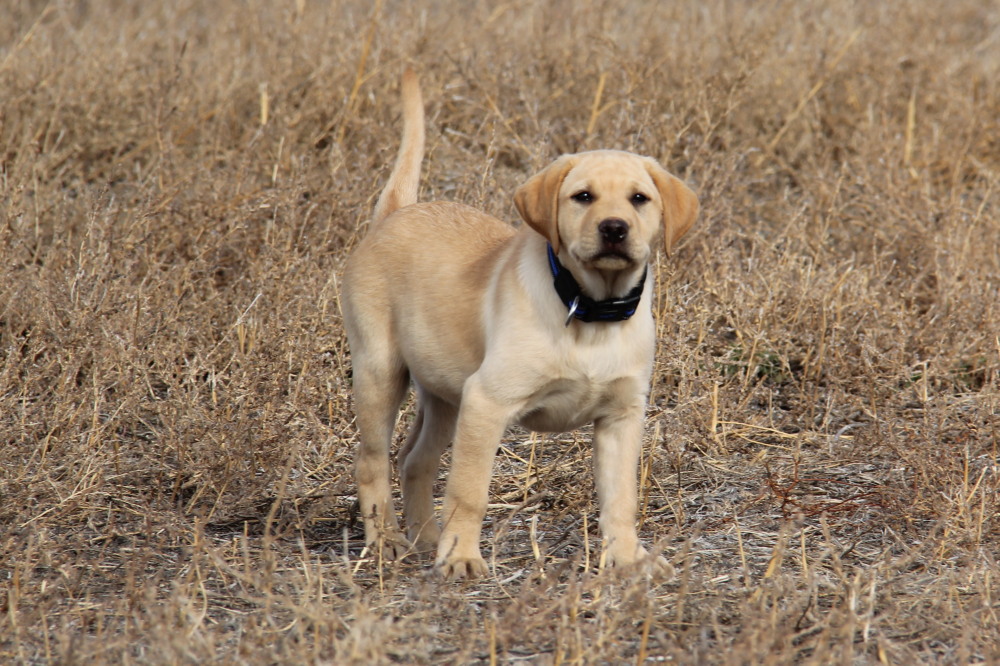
612 259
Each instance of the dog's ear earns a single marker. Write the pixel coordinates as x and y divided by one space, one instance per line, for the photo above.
537 200
680 205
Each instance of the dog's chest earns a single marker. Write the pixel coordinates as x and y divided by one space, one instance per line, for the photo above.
582 387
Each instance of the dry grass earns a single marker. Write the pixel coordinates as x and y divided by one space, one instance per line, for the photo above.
182 181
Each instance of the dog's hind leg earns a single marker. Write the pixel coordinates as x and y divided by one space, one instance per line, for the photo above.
379 388
432 432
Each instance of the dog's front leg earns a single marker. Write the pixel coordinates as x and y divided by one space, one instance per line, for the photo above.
481 424
617 441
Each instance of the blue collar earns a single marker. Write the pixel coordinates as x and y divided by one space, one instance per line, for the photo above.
585 308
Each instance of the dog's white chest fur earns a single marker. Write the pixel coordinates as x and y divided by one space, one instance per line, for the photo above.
579 381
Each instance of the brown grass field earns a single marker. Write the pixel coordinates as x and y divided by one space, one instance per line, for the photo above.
180 183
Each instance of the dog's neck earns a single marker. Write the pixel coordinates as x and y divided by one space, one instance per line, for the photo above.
583 307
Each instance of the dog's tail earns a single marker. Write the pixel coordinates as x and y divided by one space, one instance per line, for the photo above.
401 190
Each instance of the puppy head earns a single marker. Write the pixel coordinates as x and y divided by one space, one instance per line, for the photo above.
608 208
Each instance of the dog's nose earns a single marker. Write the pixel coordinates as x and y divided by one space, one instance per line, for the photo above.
613 230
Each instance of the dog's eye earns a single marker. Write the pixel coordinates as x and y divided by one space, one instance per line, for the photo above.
639 198
583 197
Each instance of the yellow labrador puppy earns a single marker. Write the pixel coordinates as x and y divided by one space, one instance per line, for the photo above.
548 326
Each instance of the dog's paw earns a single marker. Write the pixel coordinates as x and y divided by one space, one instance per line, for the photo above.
640 562
457 568
390 546
656 567
425 538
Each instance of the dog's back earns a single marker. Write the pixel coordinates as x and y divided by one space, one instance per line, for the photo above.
448 248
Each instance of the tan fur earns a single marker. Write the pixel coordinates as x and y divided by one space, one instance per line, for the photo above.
463 305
